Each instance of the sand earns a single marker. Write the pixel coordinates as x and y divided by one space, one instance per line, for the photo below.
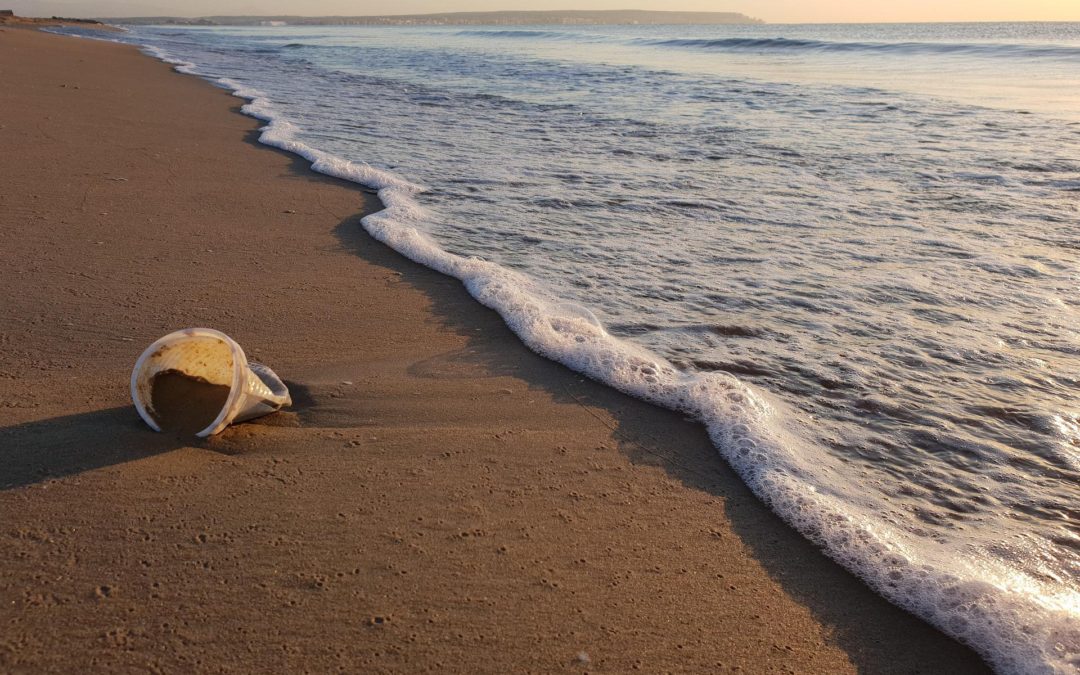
184 404
438 498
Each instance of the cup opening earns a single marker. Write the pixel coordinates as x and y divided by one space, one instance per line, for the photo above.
184 403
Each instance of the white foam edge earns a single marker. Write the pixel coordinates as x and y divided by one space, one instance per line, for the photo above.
1017 623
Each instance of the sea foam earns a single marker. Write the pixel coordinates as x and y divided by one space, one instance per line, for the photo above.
1015 621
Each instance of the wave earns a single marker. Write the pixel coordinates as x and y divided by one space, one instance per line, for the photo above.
575 36
801 45
509 33
1018 623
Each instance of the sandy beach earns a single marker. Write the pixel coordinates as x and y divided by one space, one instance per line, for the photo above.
438 498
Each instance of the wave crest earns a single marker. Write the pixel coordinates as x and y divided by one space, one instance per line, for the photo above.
803 45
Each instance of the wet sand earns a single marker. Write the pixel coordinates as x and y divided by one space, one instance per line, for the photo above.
438 498
185 405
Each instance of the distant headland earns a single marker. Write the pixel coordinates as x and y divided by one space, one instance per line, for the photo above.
575 17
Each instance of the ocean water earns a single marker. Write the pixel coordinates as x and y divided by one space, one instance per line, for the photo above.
852 252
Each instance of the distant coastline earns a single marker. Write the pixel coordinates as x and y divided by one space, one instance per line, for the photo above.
576 17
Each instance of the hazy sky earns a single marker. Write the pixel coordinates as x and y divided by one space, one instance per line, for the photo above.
775 11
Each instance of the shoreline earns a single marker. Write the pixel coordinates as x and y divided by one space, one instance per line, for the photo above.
584 543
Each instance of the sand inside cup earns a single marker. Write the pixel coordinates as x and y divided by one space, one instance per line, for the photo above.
186 404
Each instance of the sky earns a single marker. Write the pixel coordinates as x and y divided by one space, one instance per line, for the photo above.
773 11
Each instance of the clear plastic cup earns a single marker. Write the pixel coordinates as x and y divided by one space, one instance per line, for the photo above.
208 356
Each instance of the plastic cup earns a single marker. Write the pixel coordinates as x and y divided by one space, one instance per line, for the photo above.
210 355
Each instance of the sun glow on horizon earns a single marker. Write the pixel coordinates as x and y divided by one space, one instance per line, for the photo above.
857 11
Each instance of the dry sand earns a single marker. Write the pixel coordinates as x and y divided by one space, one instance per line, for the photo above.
439 498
